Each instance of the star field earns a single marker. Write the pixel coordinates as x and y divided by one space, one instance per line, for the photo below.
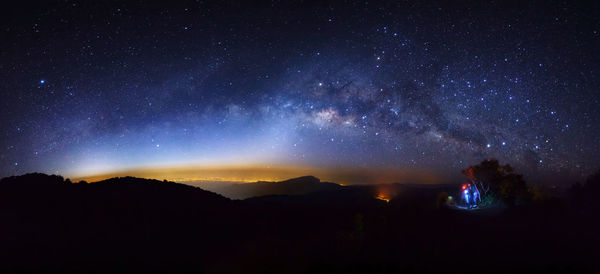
95 87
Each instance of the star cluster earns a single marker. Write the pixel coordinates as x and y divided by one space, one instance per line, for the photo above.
95 87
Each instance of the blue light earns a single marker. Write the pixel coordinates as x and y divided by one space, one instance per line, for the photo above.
42 81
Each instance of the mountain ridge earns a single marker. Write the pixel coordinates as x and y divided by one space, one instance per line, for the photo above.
293 186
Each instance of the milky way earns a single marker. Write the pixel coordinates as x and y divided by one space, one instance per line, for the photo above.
90 88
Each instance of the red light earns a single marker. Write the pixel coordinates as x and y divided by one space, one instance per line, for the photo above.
464 187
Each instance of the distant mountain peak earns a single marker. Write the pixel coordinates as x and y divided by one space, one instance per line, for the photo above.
294 186
303 179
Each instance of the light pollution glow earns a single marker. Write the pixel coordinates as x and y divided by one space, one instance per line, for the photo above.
252 173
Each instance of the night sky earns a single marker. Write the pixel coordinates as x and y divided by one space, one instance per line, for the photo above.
91 88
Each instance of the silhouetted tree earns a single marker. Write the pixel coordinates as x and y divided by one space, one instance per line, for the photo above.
498 182
586 195
592 183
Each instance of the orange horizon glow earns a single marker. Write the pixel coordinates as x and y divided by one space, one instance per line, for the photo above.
253 173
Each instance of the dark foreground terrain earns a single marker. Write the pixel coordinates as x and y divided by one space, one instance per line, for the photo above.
138 225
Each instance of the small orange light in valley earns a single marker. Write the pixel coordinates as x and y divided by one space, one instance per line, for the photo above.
383 197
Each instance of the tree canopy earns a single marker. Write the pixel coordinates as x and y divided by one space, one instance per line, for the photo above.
498 182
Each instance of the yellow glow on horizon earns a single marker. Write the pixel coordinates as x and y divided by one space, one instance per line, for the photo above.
253 173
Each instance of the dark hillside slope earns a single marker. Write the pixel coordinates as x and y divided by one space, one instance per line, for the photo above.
139 225
48 222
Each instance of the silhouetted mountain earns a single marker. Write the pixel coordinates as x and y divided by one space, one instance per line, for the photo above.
139 225
296 186
33 180
128 191
48 221
131 187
